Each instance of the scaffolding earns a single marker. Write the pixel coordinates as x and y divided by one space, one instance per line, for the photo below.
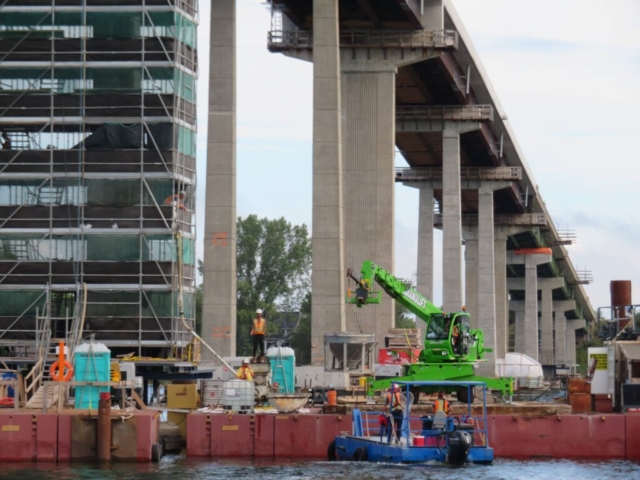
97 171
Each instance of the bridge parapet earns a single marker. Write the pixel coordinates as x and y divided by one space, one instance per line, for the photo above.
281 40
502 219
417 174
455 113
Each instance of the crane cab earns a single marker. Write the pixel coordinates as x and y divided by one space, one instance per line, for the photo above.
448 338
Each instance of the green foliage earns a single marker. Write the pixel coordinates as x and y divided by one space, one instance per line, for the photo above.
404 318
301 338
273 268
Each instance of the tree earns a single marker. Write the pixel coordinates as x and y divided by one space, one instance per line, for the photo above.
273 269
404 318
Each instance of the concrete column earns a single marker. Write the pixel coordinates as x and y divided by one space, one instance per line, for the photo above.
486 277
531 307
424 278
572 326
327 307
560 328
425 243
451 221
502 295
519 346
219 282
368 115
546 327
471 273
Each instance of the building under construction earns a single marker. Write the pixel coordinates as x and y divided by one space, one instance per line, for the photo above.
97 172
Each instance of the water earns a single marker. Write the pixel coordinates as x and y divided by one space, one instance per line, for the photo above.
179 467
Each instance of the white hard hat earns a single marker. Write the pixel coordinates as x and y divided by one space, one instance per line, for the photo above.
245 361
259 310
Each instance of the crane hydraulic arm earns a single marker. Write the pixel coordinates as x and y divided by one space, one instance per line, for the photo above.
400 290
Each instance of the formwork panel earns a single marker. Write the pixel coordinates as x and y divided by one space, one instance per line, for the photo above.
47 437
564 436
307 435
17 438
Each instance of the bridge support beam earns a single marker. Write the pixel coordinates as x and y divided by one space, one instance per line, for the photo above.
219 279
560 329
327 307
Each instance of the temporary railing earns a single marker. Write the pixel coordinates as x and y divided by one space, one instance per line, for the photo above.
367 38
478 113
506 219
378 425
466 173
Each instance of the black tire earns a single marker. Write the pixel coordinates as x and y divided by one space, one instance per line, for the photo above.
331 451
463 395
361 455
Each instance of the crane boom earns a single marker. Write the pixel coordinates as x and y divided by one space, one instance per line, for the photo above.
400 290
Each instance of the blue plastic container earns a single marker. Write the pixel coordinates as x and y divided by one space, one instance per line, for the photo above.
92 364
283 365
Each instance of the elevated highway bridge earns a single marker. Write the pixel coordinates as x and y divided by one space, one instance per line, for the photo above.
403 74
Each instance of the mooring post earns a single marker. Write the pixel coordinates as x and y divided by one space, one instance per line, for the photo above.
104 428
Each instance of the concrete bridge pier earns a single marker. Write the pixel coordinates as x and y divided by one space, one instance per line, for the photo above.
328 275
572 326
219 280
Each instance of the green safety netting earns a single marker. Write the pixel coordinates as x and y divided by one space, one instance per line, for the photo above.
134 304
27 302
115 248
94 193
99 25
135 80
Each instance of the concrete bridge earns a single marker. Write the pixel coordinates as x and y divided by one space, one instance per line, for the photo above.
400 74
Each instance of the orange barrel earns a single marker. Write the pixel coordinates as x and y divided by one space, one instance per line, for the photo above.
418 441
332 396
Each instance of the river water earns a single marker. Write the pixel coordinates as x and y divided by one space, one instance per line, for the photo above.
179 467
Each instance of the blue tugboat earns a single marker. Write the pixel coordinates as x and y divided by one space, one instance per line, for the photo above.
449 439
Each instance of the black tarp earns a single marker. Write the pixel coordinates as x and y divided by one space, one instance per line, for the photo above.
116 136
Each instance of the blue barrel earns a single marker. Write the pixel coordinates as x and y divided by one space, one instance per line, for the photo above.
283 364
9 376
92 364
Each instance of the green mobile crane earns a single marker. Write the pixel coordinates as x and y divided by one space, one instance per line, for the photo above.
451 347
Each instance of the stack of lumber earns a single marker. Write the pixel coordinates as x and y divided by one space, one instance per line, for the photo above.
404 338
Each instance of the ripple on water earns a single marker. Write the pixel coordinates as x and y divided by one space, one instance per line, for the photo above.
179 467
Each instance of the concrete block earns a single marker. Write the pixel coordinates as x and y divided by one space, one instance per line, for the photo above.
223 32
327 222
222 94
324 253
324 125
220 159
326 158
222 127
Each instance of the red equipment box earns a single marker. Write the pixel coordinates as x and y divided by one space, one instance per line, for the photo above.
396 356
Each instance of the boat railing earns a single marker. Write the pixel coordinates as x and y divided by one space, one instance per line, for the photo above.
377 424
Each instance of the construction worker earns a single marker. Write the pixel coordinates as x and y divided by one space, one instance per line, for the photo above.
455 337
396 408
176 199
258 329
6 141
442 404
245 372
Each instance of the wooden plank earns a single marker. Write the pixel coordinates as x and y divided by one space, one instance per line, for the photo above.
137 398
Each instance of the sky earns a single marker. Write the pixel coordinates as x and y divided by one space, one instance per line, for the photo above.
567 74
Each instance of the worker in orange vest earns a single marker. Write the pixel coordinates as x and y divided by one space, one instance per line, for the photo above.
245 372
258 329
455 338
442 404
396 408
176 199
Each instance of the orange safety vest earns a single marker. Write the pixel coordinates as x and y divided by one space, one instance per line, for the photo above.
259 327
443 405
245 373
456 331
396 401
